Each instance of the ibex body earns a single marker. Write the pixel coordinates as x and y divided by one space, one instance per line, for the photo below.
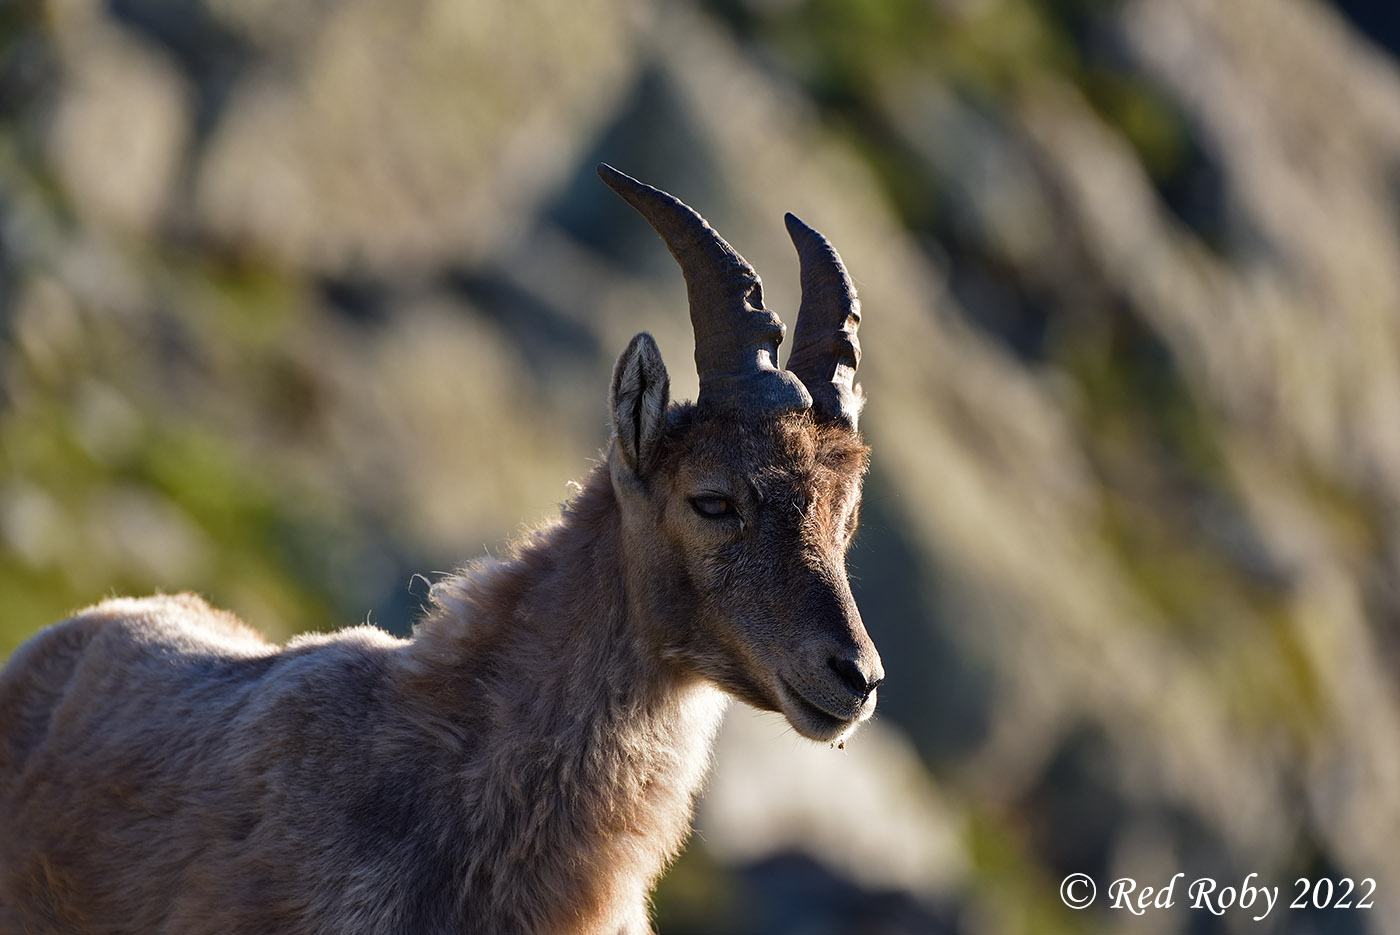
528 761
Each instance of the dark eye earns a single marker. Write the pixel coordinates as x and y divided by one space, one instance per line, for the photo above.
712 507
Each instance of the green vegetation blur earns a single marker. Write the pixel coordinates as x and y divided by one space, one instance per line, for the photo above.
301 301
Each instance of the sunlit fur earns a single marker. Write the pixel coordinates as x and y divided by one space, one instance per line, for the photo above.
527 762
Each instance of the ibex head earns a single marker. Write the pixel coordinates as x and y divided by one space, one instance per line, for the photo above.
738 509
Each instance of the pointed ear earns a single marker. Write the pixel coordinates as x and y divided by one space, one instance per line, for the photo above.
641 391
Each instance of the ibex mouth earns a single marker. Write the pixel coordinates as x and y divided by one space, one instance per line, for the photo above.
815 721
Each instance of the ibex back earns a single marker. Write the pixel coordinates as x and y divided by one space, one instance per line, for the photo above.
528 761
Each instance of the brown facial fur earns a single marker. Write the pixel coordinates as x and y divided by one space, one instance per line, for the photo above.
766 585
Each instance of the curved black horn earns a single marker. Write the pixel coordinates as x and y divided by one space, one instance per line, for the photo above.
825 349
736 338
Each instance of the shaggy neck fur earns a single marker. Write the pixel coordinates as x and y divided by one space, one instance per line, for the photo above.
540 677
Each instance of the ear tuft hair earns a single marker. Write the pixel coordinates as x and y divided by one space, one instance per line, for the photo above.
641 391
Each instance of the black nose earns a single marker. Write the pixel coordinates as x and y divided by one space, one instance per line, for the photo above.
855 677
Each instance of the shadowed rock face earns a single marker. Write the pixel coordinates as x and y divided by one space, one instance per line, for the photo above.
1134 299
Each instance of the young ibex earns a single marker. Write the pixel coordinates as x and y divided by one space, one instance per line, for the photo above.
528 761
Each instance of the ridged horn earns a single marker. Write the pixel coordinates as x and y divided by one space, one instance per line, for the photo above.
736 338
825 349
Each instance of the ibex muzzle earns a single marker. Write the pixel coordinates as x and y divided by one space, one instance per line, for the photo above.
739 510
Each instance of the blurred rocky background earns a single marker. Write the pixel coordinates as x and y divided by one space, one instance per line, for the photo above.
301 299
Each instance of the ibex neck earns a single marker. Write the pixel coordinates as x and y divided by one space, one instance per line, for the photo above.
537 671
